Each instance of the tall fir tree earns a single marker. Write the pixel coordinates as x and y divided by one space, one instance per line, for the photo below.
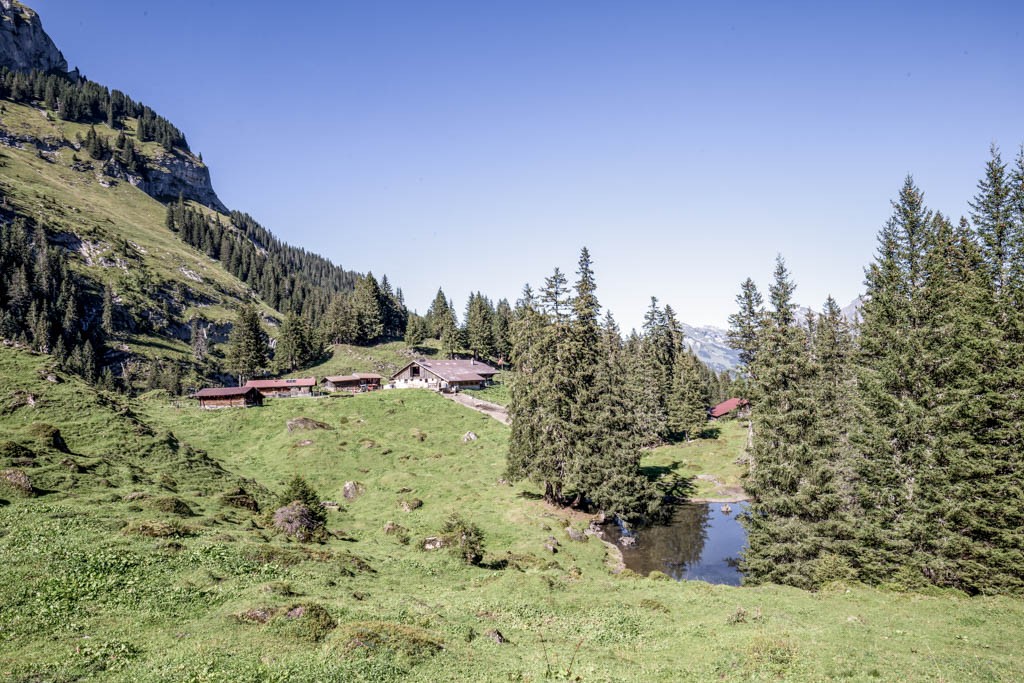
247 353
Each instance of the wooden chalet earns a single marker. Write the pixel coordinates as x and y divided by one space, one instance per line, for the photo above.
444 375
728 407
354 383
283 388
229 397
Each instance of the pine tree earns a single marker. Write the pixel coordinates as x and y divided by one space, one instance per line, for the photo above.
480 326
746 322
247 354
108 311
295 347
367 311
415 331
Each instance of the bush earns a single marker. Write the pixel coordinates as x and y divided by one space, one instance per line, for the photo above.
299 490
465 539
298 521
310 622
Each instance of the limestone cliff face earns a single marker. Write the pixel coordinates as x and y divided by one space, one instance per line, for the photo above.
177 173
24 45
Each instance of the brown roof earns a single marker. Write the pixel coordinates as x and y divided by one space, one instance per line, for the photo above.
281 383
726 407
223 392
456 370
353 377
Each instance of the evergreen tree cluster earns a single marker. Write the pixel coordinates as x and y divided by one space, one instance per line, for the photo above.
894 452
44 305
371 313
83 101
576 431
290 279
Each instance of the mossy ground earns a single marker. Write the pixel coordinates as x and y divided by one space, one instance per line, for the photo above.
88 594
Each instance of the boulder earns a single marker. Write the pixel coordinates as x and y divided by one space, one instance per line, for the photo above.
469 436
434 543
575 534
627 541
306 423
495 635
352 490
410 505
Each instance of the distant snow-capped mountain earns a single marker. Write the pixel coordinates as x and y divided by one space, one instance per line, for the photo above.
711 344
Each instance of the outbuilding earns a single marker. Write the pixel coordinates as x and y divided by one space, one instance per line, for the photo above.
229 397
283 388
355 383
730 406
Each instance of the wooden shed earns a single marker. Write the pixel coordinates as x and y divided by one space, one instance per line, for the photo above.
283 388
229 397
354 383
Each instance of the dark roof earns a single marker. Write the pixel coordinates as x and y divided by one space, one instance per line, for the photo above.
355 376
281 383
726 407
455 370
223 392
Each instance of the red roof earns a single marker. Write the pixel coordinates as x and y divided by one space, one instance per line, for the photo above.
355 376
726 407
281 383
223 392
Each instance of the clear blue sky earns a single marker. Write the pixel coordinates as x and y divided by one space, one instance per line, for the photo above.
477 145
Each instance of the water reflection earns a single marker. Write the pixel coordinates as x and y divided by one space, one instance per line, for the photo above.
703 542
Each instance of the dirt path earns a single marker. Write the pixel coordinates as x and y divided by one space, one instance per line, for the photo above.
486 407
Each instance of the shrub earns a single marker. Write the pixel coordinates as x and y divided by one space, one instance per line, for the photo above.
298 521
465 539
829 568
299 490
310 622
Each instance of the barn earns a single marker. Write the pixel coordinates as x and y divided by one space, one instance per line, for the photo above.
283 388
444 375
354 383
727 407
228 397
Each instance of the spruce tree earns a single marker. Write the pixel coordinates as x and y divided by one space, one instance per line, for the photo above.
247 353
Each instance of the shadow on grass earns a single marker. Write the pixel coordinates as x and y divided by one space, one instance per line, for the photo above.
529 495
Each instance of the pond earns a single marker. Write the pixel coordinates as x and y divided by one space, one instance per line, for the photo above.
703 542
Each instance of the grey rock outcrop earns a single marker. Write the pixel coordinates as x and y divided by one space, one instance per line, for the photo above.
24 45
176 173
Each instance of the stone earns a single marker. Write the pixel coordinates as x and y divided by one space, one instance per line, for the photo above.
495 635
352 490
433 543
627 541
306 423
575 534
410 505
469 436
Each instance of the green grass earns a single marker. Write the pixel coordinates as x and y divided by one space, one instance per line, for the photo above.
496 393
103 580
711 467
124 226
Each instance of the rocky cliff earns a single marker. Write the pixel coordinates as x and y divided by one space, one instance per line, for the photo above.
24 45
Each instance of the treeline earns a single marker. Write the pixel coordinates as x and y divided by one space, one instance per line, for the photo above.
83 101
485 334
289 279
894 452
584 402
44 305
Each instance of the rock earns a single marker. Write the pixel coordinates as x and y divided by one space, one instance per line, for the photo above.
352 490
595 529
306 423
53 379
495 635
551 546
330 505
390 528
627 541
469 436
303 443
410 505
24 45
295 612
433 543
575 534
258 616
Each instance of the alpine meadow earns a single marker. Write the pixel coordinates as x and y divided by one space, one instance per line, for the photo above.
227 457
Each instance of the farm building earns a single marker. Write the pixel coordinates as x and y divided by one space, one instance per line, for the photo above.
444 375
283 388
356 382
229 397
727 407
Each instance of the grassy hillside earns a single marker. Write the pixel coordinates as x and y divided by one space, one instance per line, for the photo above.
119 232
127 562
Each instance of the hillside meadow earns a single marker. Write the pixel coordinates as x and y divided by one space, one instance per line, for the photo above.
135 555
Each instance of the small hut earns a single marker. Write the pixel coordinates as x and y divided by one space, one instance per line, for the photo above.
355 383
229 397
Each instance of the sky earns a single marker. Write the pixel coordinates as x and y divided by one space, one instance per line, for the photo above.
477 146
